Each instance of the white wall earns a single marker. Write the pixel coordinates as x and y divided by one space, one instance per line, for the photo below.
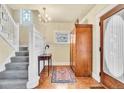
60 53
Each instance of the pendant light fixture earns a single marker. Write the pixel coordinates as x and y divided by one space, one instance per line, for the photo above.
43 17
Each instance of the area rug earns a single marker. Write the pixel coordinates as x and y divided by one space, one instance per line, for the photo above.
63 75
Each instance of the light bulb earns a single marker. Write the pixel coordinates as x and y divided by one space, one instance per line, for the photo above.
49 18
46 15
39 15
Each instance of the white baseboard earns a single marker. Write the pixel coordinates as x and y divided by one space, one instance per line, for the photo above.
96 76
33 83
60 63
8 60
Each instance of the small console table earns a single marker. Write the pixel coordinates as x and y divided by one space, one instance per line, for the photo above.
42 58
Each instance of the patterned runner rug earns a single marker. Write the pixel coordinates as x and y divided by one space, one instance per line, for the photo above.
63 75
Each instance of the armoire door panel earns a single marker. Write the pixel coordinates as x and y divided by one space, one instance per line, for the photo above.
82 50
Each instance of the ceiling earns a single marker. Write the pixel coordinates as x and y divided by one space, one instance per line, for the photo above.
59 12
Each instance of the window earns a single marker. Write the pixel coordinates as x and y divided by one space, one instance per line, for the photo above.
25 16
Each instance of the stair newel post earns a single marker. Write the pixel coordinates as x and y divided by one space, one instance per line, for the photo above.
33 78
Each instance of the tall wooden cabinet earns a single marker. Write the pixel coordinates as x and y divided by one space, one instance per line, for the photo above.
81 50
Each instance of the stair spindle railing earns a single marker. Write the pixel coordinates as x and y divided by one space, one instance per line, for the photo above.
9 30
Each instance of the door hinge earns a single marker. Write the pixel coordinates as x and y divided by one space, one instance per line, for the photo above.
100 49
99 23
99 73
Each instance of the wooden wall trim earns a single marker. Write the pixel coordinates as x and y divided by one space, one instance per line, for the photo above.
112 11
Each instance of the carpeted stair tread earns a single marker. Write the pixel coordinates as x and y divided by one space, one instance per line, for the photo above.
17 66
20 62
20 58
14 74
13 84
25 63
8 81
23 48
16 71
22 53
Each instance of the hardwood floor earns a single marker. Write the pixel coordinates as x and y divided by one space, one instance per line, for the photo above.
81 82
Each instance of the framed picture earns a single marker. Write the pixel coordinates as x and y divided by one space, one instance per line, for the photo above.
62 37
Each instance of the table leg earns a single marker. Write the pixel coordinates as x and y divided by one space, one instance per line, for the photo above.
48 67
51 62
43 64
39 67
51 65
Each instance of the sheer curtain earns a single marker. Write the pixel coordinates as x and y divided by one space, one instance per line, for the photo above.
114 46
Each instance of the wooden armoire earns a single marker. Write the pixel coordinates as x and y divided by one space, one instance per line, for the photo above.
81 50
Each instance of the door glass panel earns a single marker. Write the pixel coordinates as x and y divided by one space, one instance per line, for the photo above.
113 63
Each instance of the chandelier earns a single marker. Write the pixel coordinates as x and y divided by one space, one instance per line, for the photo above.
43 17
